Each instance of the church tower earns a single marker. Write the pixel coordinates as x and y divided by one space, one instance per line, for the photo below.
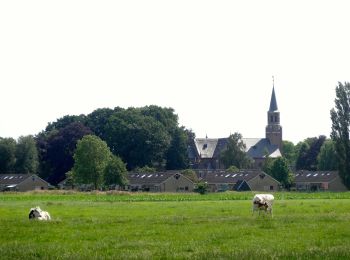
273 128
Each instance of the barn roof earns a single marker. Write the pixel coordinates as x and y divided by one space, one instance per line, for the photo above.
315 176
222 176
151 178
12 179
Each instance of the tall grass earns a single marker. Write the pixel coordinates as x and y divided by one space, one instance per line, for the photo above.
174 226
126 196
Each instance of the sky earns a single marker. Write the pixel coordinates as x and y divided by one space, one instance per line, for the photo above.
211 61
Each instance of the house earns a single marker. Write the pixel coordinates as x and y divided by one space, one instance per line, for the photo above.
22 182
204 153
318 181
221 180
169 181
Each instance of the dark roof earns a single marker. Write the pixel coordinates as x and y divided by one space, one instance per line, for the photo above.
315 176
258 147
151 178
255 147
241 186
273 102
222 176
12 179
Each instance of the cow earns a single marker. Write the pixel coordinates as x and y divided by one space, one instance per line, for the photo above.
37 213
263 202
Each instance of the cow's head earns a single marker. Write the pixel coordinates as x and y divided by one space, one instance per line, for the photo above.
35 213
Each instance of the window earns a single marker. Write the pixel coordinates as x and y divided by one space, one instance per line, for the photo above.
271 187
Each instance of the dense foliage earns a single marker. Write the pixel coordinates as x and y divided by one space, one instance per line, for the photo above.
90 161
308 152
327 158
57 147
340 116
146 136
18 156
234 154
7 154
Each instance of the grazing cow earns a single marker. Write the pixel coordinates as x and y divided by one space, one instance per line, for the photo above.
37 213
263 202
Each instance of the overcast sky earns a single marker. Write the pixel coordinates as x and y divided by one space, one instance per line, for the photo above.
212 61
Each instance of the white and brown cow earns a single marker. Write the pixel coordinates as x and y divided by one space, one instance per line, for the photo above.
263 202
37 213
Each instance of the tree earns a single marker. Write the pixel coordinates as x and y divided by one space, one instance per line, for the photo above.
280 171
7 154
57 150
202 188
165 116
288 152
115 172
98 119
176 156
234 154
232 168
191 174
139 140
145 169
308 152
340 116
65 121
91 158
327 158
301 162
26 155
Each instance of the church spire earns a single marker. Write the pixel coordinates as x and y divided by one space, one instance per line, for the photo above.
273 102
273 128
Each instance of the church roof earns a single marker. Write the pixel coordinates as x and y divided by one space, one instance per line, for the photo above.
260 147
273 102
255 147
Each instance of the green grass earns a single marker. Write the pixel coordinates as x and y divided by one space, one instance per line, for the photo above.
180 226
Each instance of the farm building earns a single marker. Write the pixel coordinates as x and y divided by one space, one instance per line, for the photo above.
255 180
22 182
318 181
170 181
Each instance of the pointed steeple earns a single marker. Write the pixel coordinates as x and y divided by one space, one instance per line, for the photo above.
273 102
273 128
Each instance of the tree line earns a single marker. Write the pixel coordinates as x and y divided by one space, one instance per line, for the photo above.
150 136
146 136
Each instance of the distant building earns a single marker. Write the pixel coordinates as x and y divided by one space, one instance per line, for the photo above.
254 180
205 152
22 182
169 181
318 181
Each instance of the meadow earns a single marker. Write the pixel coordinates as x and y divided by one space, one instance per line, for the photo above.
174 226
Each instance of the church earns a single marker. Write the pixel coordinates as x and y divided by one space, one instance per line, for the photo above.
205 152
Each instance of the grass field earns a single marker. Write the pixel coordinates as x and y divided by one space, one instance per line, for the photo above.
180 226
